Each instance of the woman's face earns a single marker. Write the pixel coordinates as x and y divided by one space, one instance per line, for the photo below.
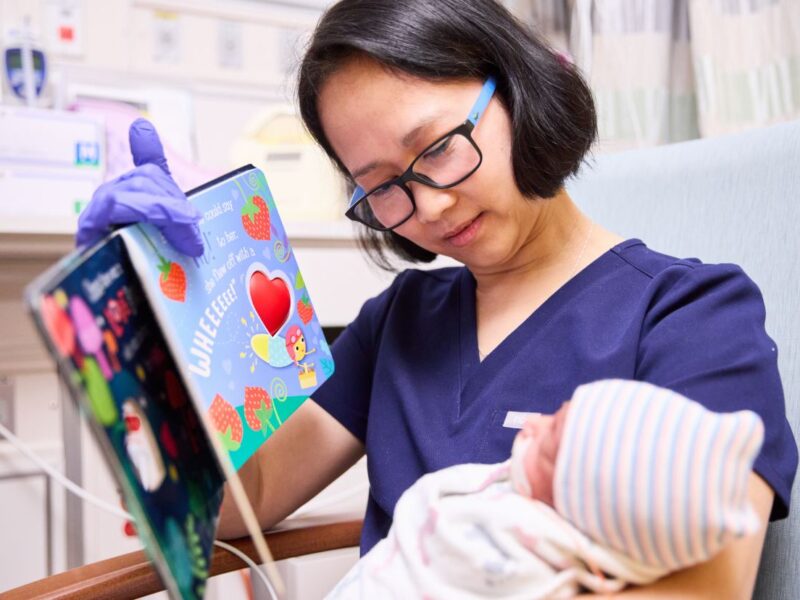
377 123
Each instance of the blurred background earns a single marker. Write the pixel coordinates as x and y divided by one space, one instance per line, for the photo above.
217 78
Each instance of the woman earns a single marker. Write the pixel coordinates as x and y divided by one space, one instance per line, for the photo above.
458 129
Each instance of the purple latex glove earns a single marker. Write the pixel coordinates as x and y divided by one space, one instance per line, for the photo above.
146 194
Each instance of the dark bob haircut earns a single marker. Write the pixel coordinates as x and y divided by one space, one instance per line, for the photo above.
550 106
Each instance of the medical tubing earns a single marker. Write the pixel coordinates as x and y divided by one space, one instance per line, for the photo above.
69 485
250 563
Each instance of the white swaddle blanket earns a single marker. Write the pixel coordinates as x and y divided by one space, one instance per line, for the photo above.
463 532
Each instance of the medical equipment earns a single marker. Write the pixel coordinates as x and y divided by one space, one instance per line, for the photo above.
50 164
25 67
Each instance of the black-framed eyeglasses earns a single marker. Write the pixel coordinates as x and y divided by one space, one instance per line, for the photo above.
445 163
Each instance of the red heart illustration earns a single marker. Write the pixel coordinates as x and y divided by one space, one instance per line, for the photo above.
271 299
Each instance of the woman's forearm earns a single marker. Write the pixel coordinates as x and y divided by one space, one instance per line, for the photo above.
299 460
230 521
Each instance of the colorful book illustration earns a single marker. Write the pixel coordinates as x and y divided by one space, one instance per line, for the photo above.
130 388
185 367
240 317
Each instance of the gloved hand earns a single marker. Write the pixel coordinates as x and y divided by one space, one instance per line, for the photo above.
146 194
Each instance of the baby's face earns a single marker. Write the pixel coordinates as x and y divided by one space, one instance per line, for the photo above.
543 434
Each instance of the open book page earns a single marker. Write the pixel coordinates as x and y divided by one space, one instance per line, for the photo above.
239 318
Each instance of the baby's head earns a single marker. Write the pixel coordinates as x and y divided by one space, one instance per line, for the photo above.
624 456
534 454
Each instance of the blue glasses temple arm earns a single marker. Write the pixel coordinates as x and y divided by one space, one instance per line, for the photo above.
358 193
483 101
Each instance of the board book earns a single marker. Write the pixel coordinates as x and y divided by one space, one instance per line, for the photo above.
184 367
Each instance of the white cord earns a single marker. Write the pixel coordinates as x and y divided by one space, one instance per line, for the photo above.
87 496
253 566
70 485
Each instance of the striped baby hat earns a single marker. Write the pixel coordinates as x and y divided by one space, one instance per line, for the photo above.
654 475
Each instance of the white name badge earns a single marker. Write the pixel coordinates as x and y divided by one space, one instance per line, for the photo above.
515 419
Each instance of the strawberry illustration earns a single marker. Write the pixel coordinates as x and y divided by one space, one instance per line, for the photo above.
227 423
304 309
172 280
173 277
257 408
255 218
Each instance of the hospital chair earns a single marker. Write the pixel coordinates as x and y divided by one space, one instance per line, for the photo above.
727 199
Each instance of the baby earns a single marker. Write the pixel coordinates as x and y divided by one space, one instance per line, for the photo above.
626 483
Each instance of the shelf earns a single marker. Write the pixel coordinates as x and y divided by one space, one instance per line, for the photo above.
26 246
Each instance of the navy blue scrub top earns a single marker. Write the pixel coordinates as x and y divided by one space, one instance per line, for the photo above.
409 383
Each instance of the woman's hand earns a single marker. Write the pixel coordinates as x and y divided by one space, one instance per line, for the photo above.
146 194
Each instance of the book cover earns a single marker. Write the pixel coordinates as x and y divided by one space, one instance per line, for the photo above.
239 319
97 323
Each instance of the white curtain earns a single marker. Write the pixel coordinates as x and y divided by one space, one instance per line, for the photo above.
669 70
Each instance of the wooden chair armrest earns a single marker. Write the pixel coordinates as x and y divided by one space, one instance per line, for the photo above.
132 576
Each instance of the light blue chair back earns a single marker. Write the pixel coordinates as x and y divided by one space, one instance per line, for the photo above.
728 199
